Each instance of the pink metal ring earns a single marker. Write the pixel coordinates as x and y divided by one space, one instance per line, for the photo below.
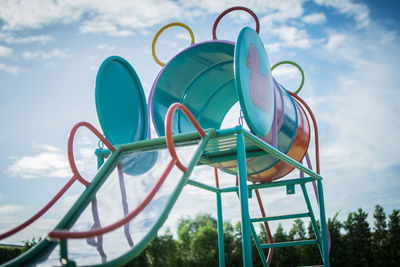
214 30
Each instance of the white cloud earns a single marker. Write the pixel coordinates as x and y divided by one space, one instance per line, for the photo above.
5 51
9 209
18 15
13 70
359 115
280 11
11 39
50 163
103 26
359 12
121 17
335 41
293 37
55 53
285 72
106 47
315 18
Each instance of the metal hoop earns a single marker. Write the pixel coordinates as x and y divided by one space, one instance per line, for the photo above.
153 45
297 66
214 29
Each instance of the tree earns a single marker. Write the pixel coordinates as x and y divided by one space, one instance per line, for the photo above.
394 238
312 254
379 238
163 251
280 256
358 239
232 248
337 251
204 245
198 240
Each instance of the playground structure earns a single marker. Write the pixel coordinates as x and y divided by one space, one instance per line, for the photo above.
188 102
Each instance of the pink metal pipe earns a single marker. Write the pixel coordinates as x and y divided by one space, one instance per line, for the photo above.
68 184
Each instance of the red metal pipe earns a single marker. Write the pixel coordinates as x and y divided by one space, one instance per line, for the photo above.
315 129
75 177
71 148
63 234
168 131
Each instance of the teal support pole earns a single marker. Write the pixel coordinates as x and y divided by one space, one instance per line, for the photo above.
325 248
220 224
100 157
244 201
313 221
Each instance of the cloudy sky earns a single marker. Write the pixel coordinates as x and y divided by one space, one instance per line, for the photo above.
50 52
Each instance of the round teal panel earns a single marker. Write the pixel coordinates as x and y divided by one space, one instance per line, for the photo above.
120 102
254 82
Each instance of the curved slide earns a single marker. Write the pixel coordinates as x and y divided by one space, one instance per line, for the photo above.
40 253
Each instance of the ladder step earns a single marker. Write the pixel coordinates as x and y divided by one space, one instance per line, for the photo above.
281 217
290 244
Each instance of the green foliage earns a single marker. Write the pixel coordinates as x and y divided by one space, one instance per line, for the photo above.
28 244
379 238
8 253
352 243
358 239
394 238
338 245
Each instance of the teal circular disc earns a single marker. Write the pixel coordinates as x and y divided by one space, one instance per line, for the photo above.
120 102
253 81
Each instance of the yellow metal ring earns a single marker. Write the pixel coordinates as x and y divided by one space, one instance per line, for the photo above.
153 45
298 67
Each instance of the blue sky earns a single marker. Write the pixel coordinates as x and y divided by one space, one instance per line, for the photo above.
50 52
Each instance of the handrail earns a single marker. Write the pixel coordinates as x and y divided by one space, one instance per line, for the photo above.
71 148
63 234
315 129
75 177
168 131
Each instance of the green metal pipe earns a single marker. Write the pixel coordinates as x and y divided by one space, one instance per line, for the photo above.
269 185
124 259
204 186
325 248
312 217
281 217
274 152
71 216
220 225
244 202
258 246
191 137
290 244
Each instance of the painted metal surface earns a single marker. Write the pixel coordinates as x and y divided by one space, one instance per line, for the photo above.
201 78
253 81
122 111
296 151
120 102
244 202
288 120
208 87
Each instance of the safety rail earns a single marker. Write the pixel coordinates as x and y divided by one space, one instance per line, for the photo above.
76 176
168 130
63 234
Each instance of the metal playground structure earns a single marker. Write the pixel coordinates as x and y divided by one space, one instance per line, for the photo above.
188 102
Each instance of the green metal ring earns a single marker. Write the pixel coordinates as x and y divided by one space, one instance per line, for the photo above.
297 66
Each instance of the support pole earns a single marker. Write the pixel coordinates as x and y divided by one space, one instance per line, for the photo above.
220 224
323 224
244 202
